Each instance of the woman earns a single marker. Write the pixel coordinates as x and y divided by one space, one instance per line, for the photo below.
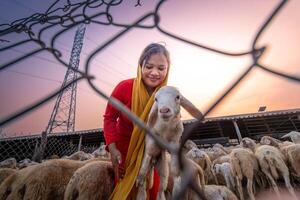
126 141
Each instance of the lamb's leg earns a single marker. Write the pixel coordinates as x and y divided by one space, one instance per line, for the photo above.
163 170
176 185
288 184
227 180
273 183
231 180
140 180
142 193
250 188
175 165
239 188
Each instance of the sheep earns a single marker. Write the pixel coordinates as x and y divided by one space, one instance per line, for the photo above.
291 153
25 163
294 135
164 119
244 164
188 145
217 192
202 159
9 163
46 180
6 172
101 152
197 178
226 170
94 180
79 155
215 153
271 161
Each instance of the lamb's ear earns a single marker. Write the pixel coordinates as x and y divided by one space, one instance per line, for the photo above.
152 115
188 106
287 135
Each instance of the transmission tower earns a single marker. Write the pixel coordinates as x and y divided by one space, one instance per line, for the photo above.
63 115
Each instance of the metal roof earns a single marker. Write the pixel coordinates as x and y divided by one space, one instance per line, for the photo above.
248 116
209 119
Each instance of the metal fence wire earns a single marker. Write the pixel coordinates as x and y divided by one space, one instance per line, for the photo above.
74 13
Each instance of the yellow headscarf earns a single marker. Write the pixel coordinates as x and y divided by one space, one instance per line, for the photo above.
140 105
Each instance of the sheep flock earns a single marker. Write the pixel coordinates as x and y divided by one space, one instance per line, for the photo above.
245 171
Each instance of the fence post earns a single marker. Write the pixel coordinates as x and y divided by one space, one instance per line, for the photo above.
39 150
79 144
237 131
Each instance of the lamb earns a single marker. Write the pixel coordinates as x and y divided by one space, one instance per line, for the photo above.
79 155
46 180
101 152
202 159
9 163
164 119
26 162
94 180
225 170
271 161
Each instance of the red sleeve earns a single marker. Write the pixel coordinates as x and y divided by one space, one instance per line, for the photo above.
112 115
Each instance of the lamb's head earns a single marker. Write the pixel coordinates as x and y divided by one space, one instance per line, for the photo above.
196 154
268 140
167 105
167 100
248 143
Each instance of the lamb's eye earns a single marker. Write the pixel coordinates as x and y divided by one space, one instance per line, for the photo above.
177 97
155 99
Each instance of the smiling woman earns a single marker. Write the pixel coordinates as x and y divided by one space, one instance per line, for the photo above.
154 71
126 141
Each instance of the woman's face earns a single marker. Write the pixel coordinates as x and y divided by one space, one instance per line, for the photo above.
154 71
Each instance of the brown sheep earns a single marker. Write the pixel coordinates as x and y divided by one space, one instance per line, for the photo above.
244 164
6 172
271 161
217 192
202 159
291 153
93 181
43 181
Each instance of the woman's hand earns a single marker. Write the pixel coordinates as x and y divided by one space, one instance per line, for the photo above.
116 158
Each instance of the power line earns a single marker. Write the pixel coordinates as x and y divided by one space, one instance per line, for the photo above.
100 62
49 79
34 76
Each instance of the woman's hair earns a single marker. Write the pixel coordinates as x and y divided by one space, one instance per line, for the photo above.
151 49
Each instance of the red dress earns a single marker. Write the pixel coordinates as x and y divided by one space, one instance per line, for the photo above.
118 128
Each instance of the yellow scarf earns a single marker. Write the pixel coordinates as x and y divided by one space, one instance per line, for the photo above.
140 105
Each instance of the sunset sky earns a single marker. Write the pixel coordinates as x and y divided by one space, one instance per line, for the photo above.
201 75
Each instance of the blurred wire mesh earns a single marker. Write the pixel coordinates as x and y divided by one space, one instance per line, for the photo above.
72 14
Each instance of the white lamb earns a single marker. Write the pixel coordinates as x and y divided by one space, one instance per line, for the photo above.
164 119
226 171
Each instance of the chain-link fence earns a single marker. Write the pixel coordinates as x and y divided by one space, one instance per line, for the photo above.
60 144
72 14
